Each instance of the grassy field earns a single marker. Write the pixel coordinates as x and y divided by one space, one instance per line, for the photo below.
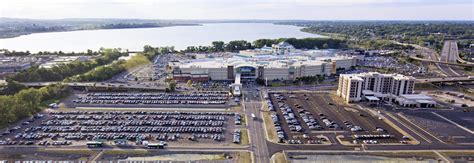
269 127
407 154
458 153
279 157
79 154
426 86
245 137
126 152
73 151
243 121
243 157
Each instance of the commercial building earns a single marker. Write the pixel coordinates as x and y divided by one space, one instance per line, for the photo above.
63 60
265 67
16 64
415 100
13 67
283 48
374 86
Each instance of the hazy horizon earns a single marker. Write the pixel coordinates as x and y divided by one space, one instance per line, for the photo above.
241 10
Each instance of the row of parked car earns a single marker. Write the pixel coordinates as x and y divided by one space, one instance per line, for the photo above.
217 116
44 143
237 119
136 113
371 138
129 94
308 118
136 129
353 128
24 123
153 98
236 136
91 125
133 123
149 102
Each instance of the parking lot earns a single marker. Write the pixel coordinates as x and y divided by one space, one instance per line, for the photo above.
147 73
443 129
391 63
127 99
299 118
122 127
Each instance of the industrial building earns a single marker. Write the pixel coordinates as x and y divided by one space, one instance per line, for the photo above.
374 86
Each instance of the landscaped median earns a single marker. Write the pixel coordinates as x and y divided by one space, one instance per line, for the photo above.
244 157
245 139
412 140
279 157
269 129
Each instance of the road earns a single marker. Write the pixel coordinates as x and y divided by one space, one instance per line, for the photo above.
445 79
252 105
443 62
449 54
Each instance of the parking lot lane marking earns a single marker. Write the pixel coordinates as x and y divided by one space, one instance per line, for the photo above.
454 123
442 156
409 128
401 115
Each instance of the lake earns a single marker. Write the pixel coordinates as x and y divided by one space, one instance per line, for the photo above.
135 39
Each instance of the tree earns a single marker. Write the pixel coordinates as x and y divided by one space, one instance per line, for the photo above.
218 45
12 87
63 71
7 111
189 83
172 85
325 46
27 101
264 42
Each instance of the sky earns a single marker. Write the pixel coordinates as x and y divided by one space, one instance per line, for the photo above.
242 9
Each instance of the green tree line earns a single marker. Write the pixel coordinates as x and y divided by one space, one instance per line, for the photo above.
108 71
28 102
9 53
233 46
63 71
367 34
105 72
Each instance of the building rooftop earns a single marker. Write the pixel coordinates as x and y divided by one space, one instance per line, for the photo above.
369 74
416 97
273 61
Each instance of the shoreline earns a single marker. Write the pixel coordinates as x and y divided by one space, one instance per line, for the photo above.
19 34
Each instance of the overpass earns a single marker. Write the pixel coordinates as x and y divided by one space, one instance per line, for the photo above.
442 62
445 79
97 85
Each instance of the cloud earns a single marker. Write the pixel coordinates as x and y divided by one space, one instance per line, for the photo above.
239 9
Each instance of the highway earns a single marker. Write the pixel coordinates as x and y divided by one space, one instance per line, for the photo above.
444 79
449 54
446 61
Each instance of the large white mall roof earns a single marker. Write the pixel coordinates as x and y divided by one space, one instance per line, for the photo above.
271 61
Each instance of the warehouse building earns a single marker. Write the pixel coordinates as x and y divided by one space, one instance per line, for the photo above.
374 86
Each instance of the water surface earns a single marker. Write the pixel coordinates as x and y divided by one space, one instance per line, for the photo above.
135 39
